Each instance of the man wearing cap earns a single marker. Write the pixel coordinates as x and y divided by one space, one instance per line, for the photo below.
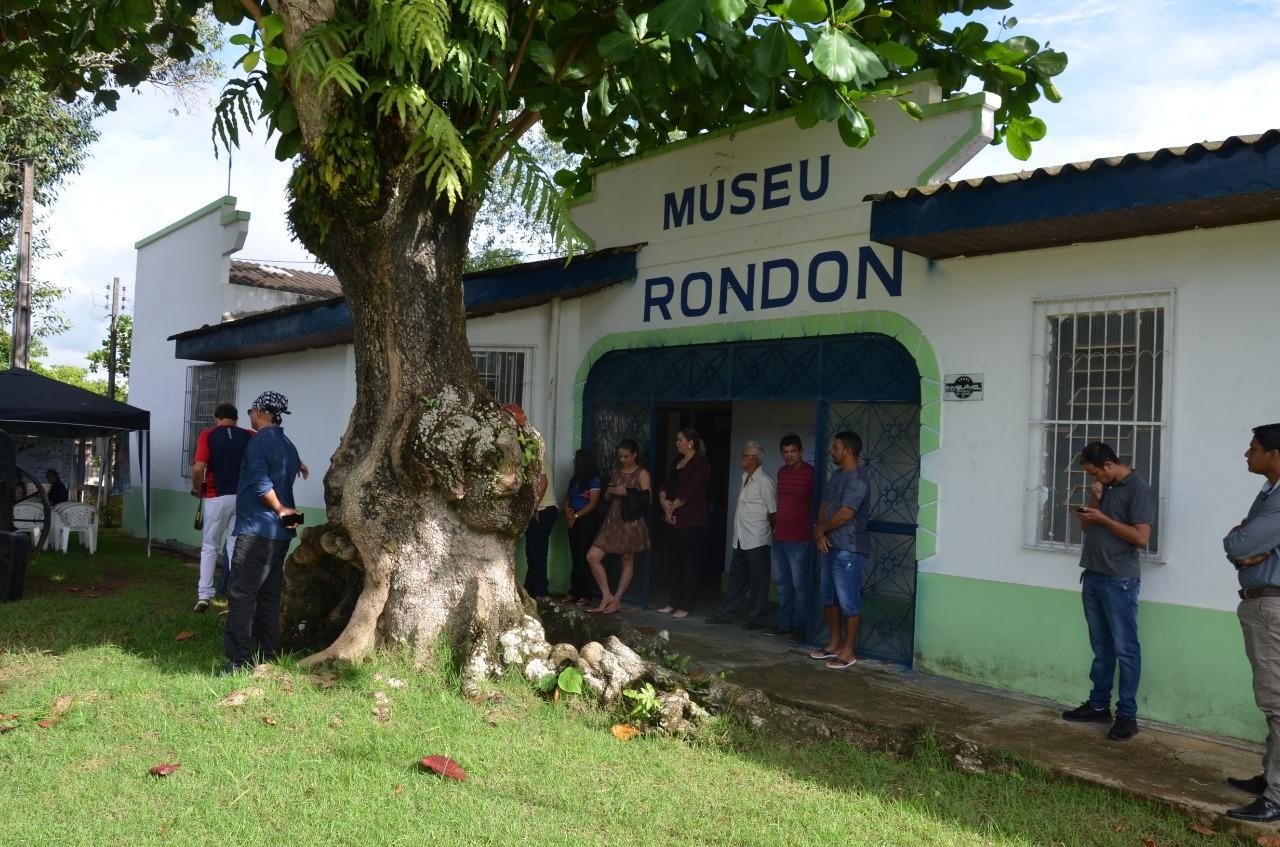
265 517
215 477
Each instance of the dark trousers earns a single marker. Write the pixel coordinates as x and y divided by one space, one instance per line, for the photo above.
749 572
581 535
537 537
253 617
689 549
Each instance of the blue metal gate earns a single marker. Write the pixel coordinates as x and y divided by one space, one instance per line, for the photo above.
866 382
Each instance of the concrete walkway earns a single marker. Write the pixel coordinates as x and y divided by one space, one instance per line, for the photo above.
1162 763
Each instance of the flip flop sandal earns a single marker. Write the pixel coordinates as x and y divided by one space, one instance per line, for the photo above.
840 664
666 610
820 655
680 614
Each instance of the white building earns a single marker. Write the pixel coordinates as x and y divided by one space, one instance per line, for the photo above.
976 334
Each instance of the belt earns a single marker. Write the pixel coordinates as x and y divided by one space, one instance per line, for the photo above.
1260 591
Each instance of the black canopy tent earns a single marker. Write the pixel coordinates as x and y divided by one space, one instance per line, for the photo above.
31 404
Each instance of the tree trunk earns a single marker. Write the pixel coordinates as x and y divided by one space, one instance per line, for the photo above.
432 482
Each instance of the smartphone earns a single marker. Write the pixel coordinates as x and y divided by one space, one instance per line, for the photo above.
1079 509
290 521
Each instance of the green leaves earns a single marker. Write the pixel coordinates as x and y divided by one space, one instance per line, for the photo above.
807 11
1020 134
842 58
617 47
1049 62
727 11
679 19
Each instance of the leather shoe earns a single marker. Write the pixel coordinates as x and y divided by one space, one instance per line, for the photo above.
1262 810
1253 785
1123 729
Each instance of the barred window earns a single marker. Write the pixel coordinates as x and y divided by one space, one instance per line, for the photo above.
1099 373
207 387
503 373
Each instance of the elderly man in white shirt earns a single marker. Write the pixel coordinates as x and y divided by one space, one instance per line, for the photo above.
751 562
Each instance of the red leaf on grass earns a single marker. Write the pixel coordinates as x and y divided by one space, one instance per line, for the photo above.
1268 841
44 724
184 635
1148 841
444 766
1203 830
5 727
164 768
625 731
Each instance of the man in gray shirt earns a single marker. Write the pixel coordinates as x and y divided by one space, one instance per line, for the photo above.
1117 524
845 545
1252 548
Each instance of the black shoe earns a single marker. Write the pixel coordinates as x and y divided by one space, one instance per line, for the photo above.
754 625
1085 713
1262 810
719 619
777 632
1123 729
1254 785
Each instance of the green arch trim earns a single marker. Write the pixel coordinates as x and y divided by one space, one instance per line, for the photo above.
884 322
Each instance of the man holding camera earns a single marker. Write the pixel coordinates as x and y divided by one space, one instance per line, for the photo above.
1117 524
1252 548
265 521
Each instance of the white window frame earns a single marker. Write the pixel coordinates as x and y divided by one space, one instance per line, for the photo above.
1037 487
200 403
526 376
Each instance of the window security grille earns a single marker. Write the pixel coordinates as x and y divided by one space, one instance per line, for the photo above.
207 387
503 373
1099 373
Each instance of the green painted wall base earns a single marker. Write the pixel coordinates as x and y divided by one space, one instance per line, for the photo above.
1033 640
173 516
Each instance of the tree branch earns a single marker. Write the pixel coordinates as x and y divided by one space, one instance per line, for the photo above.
254 10
516 62
512 132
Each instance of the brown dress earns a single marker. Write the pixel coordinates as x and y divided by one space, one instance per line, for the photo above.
617 535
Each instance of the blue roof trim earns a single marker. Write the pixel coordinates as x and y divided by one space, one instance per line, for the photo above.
1241 171
328 322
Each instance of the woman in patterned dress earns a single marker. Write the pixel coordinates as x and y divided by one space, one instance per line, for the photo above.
623 538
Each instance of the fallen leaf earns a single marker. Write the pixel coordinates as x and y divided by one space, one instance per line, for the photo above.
44 724
381 698
61 705
268 720
1118 828
382 713
1148 841
184 635
624 731
648 630
1203 830
399 789
164 768
324 680
1269 841
444 766
5 727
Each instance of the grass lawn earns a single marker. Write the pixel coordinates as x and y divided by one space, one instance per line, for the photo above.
304 764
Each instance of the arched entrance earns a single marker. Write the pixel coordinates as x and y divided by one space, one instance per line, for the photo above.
868 382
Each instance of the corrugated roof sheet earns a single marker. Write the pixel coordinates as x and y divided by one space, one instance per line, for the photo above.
1211 184
261 275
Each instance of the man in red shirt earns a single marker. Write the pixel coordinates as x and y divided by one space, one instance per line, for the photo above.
215 474
793 541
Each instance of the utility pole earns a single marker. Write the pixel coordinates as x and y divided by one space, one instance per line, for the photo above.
115 322
21 354
109 461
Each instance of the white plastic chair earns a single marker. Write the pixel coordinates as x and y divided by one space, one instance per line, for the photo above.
81 518
29 517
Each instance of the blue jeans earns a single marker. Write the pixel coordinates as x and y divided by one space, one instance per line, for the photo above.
791 575
842 580
1111 611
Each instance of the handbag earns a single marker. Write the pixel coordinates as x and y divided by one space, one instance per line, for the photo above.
635 505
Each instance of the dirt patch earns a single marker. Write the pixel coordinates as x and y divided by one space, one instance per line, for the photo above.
102 585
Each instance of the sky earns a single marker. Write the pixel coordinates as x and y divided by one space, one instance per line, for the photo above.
1143 74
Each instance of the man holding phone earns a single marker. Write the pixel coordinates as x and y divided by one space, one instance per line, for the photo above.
1117 525
265 521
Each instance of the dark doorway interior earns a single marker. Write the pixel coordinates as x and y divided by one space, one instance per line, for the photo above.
714 422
